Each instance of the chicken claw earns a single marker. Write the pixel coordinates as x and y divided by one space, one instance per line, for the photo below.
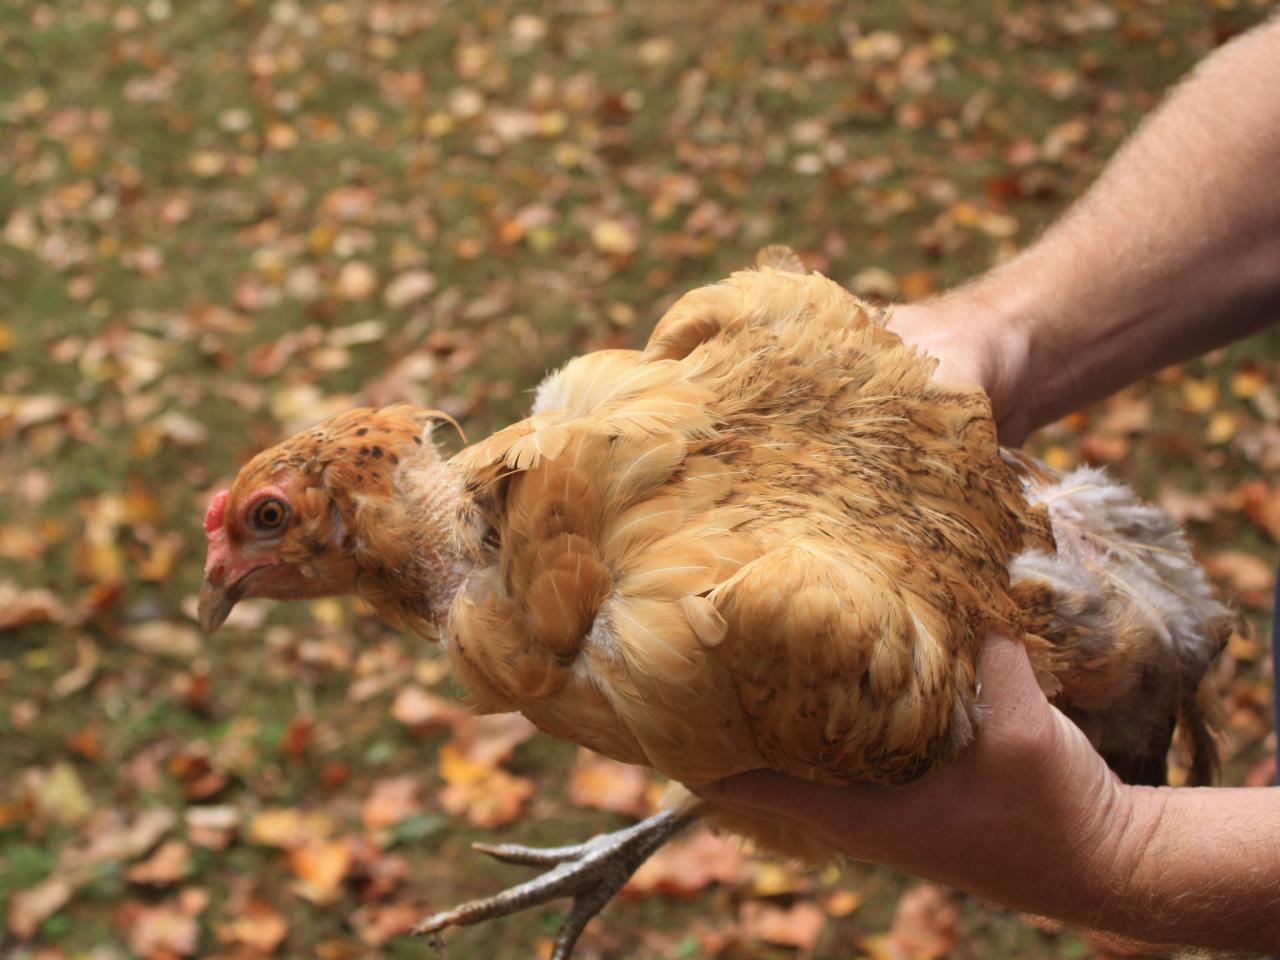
590 872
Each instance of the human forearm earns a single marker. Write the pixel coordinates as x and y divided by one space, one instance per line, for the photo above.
1174 250
1199 867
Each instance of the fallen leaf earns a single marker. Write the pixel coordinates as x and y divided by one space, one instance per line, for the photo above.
797 926
1261 505
260 926
287 827
61 795
491 739
391 800
604 784
161 931
357 280
774 878
22 608
212 827
926 926
320 866
169 864
614 237
31 907
423 712
1249 576
684 867
487 796
841 903
178 641
408 288
376 923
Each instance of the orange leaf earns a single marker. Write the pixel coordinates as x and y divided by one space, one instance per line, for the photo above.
492 798
606 784
260 926
687 866
320 867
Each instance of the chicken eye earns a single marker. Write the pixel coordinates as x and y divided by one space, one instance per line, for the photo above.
269 516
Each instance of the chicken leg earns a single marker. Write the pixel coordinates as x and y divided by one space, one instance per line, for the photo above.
590 872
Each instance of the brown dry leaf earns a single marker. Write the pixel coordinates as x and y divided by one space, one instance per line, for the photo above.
212 827
22 608
176 640
391 800
260 926
797 926
1098 448
926 926
88 659
423 712
164 930
169 864
113 837
1126 412
490 740
31 907
320 866
408 288
1261 505
376 923
287 827
1248 576
604 784
687 866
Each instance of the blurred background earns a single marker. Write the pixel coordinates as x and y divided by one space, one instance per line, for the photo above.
221 220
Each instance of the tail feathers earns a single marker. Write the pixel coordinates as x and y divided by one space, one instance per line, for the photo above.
1149 768
1199 717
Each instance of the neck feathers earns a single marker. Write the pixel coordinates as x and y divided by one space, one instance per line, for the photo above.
410 546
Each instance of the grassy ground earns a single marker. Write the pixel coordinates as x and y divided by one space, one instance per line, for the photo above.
221 220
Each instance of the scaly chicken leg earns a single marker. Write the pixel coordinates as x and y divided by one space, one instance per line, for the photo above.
590 872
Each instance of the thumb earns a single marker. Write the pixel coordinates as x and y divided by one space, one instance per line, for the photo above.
1005 674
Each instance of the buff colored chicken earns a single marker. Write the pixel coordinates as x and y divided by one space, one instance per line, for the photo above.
766 540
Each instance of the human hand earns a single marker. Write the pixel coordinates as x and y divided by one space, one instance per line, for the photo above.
1029 815
963 334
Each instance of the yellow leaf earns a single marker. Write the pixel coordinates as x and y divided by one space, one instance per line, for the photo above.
288 827
1222 427
613 236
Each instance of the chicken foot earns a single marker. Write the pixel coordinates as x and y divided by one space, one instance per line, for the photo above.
590 872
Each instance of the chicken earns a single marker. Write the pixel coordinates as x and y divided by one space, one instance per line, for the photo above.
766 540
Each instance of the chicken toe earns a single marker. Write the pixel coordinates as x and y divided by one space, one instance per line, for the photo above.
591 873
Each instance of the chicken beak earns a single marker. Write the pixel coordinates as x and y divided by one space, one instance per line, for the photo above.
216 602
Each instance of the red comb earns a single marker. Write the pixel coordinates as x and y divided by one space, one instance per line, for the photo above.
213 516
